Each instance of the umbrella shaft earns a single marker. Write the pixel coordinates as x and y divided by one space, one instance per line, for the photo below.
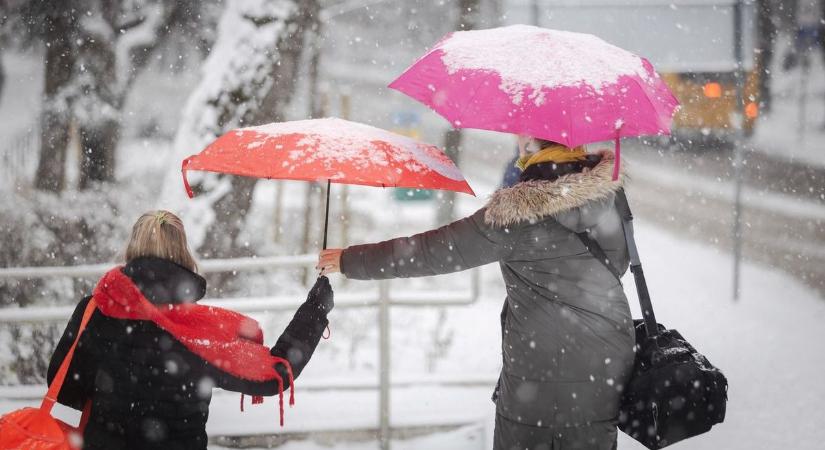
326 217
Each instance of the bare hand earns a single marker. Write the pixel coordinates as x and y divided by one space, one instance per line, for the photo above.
329 260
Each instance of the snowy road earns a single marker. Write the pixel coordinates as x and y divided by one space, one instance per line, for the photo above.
784 206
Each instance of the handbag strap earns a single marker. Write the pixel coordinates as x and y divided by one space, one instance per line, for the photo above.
623 207
596 250
60 376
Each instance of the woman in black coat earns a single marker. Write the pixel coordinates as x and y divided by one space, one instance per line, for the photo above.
146 380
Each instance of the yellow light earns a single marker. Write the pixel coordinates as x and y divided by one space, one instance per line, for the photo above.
751 110
712 90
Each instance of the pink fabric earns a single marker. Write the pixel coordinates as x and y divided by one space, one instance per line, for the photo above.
570 115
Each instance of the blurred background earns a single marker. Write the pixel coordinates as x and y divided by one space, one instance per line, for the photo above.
101 100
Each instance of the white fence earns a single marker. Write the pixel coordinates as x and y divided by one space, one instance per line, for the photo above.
381 298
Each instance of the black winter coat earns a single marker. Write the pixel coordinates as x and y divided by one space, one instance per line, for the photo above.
147 390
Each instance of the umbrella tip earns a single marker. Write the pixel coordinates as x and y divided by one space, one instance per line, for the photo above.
188 188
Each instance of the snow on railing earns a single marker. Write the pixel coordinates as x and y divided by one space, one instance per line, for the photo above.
343 300
318 384
204 266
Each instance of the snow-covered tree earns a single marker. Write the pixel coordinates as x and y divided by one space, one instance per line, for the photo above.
94 51
248 78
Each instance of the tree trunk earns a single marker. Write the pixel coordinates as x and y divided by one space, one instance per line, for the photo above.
230 210
54 138
468 18
111 57
56 115
452 146
97 108
98 143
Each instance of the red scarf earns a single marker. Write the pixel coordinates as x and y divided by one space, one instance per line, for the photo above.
226 339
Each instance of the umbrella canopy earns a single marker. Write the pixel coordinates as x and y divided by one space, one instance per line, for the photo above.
334 150
331 150
566 87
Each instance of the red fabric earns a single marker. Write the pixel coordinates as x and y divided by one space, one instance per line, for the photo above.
35 429
226 339
374 158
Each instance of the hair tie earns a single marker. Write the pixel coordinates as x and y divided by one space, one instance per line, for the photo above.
160 217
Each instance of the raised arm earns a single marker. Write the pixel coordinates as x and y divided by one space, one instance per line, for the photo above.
461 245
296 344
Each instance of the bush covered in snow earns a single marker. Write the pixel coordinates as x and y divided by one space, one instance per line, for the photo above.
44 229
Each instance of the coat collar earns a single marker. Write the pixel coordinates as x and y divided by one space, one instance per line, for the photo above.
535 199
163 282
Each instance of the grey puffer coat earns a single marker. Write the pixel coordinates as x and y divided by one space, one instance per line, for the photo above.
567 336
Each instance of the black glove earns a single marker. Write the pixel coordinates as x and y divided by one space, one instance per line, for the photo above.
321 295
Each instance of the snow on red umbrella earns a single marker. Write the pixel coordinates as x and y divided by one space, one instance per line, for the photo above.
332 150
566 87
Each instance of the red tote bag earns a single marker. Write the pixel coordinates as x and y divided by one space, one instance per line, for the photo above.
35 428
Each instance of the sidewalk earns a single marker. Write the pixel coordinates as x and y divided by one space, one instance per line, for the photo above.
765 344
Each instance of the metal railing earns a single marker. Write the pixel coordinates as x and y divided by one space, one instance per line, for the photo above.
204 266
381 298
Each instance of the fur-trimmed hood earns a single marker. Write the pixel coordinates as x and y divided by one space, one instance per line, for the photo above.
532 200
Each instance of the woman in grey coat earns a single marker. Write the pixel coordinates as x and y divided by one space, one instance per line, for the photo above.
567 334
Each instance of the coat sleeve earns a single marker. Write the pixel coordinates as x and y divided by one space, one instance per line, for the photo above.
81 370
296 344
463 244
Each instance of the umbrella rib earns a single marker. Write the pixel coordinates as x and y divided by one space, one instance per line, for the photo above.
652 106
462 111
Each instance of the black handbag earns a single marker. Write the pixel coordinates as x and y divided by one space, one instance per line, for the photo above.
674 392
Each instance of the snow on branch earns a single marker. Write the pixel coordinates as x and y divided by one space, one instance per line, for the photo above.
237 76
138 38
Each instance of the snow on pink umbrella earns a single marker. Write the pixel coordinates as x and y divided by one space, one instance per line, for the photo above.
570 88
331 150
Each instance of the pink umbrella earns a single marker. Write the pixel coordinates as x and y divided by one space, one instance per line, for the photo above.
566 87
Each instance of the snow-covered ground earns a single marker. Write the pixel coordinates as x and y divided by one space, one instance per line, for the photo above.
768 344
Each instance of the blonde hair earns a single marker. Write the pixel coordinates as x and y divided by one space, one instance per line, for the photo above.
160 234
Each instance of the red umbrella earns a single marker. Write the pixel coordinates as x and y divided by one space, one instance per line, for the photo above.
335 150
